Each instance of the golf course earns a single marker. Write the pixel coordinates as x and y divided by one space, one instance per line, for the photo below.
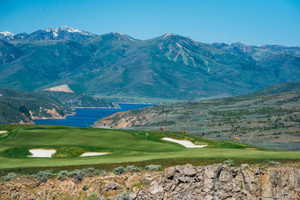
117 147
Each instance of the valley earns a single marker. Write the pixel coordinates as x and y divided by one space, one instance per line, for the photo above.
149 100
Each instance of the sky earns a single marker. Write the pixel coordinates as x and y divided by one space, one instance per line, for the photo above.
255 22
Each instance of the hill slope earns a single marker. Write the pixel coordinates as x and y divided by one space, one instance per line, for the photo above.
18 106
270 119
169 66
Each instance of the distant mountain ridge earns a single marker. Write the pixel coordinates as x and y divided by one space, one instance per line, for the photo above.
169 66
59 33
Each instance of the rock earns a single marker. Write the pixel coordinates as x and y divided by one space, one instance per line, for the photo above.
244 166
189 170
111 186
225 176
133 180
170 172
187 182
155 188
298 178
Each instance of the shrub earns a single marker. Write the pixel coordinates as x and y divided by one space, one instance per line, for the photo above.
124 196
132 168
85 188
92 172
62 175
229 162
272 162
119 170
77 175
43 176
9 176
153 167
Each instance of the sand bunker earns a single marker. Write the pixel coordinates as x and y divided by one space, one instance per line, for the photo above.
42 153
185 143
86 154
2 132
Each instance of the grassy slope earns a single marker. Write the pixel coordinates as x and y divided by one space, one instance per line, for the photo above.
126 146
269 118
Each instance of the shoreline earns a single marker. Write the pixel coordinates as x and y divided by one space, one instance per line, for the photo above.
96 107
75 110
116 107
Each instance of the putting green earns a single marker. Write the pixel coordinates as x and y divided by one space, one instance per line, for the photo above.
124 146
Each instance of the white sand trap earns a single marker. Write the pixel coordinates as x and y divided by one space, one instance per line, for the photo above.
86 154
3 132
185 143
42 153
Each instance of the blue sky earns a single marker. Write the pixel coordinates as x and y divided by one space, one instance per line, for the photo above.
249 21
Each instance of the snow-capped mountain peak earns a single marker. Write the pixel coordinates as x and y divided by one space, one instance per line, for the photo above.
70 29
6 34
56 31
166 35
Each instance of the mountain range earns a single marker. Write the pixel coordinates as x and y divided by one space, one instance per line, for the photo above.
168 67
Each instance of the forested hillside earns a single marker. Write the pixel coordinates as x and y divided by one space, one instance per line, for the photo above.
168 67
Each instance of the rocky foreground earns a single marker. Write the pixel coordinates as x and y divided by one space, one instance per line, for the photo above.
187 182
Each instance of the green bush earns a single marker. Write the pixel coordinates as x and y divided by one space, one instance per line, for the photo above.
229 162
85 188
153 167
272 162
119 170
132 168
77 175
92 172
43 176
9 176
62 175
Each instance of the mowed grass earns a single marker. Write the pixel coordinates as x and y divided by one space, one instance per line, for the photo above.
124 146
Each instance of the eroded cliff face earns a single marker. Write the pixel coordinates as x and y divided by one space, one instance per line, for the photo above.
125 120
214 182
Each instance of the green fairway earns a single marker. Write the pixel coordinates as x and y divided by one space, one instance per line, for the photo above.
123 146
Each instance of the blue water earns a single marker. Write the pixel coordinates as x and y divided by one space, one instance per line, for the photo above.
85 117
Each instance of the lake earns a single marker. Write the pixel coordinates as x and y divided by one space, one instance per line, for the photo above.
85 117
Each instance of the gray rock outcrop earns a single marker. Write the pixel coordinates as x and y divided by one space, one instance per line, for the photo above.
222 182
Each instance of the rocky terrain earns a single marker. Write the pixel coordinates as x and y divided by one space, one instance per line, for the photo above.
187 182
